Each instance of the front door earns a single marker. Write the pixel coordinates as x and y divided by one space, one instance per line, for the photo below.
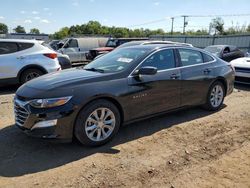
72 49
152 94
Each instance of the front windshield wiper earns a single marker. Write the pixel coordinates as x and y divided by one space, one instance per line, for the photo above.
94 70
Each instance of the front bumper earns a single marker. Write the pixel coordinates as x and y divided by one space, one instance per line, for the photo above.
54 123
242 75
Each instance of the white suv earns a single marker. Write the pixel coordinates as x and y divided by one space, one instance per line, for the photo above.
23 60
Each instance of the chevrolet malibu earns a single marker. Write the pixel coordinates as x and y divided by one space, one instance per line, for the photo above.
124 86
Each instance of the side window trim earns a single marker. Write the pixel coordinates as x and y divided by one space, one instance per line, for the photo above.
17 48
203 53
179 58
161 50
148 56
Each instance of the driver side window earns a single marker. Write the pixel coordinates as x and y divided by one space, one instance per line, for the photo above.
73 43
161 60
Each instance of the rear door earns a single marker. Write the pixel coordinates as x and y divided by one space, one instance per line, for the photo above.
196 76
9 60
156 93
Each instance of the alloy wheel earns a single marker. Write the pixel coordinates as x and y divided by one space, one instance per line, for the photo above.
31 76
216 96
100 124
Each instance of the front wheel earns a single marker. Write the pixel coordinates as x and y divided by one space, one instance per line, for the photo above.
97 123
215 97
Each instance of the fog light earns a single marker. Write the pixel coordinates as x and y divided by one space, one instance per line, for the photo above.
43 124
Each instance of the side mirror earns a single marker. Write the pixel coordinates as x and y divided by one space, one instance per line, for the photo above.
147 71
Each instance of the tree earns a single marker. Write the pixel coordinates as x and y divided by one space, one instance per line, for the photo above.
248 28
3 28
62 33
19 29
218 25
34 31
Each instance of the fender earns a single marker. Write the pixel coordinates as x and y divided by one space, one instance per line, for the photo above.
32 66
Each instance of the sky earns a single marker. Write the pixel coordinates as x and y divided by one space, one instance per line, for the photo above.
51 15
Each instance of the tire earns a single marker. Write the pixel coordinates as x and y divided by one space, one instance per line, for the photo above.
30 74
87 127
216 93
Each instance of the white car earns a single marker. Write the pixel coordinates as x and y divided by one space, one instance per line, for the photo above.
23 60
242 69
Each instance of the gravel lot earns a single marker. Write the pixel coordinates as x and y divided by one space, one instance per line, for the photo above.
190 148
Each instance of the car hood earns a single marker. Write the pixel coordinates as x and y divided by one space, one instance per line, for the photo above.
241 62
62 79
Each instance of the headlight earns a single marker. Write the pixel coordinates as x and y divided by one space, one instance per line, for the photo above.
49 103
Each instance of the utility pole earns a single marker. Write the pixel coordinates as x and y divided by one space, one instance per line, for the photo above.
184 23
172 27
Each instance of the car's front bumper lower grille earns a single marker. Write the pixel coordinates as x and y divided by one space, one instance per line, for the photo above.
21 114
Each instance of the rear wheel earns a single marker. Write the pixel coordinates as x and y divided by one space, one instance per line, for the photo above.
215 96
97 123
30 74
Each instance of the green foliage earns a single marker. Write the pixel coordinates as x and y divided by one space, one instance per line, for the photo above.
19 29
62 33
93 28
34 31
218 25
3 28
248 28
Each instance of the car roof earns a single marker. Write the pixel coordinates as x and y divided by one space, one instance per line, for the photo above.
221 46
19 40
149 42
157 46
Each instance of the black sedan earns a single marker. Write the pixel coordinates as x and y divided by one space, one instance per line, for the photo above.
124 86
225 52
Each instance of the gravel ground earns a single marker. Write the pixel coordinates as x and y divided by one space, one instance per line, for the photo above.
190 148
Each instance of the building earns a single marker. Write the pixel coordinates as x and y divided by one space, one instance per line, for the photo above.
43 37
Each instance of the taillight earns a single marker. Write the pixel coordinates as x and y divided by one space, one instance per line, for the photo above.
51 55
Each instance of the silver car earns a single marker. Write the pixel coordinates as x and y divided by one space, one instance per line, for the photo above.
23 60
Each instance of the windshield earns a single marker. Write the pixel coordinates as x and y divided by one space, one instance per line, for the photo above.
112 43
117 60
213 49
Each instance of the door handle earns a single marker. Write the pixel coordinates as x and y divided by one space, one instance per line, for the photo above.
20 57
174 76
207 71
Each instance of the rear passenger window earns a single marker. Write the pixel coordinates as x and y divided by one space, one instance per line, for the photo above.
162 60
24 46
8 47
207 58
190 57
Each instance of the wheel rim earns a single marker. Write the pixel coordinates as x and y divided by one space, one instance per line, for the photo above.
216 96
31 76
100 124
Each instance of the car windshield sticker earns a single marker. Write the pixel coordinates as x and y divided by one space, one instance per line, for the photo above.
125 60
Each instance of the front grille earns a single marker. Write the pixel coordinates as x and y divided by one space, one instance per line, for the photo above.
242 79
21 114
241 69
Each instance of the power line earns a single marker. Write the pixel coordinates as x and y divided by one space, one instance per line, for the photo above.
147 23
196 16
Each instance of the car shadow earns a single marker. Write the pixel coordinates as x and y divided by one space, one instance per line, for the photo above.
10 89
241 86
22 155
